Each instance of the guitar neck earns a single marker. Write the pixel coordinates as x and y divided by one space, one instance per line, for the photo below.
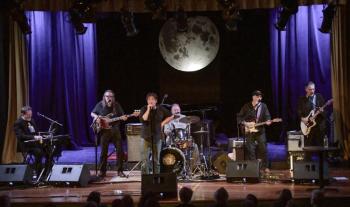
260 124
119 118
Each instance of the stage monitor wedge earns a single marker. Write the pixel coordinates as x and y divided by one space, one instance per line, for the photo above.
78 175
308 171
163 184
16 174
243 171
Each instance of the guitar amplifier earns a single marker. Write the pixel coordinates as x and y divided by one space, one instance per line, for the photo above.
295 141
133 128
133 134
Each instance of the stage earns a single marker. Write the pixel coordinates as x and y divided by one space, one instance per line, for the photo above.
266 191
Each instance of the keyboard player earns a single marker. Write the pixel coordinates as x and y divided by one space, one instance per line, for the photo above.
25 129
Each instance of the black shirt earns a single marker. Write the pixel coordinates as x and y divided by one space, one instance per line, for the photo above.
115 111
25 130
153 124
248 113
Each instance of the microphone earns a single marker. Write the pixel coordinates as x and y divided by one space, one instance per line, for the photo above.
164 97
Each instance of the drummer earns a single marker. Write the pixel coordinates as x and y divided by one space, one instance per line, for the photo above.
177 124
174 124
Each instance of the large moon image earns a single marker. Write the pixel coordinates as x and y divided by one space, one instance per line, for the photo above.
191 50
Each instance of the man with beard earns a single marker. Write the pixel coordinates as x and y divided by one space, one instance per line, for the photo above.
111 108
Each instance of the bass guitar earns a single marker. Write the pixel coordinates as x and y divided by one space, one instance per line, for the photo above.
311 118
105 122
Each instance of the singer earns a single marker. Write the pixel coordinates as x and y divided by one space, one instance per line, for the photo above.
153 118
253 112
109 107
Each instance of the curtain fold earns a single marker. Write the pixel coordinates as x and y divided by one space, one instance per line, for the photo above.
298 55
62 73
341 78
18 90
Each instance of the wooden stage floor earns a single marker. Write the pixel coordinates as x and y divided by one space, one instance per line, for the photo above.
266 191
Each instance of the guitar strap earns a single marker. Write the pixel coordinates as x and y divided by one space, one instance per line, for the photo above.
257 112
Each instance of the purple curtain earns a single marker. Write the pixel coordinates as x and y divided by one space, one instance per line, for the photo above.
62 73
299 54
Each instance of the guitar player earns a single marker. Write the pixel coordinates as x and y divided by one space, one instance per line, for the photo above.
306 103
253 112
108 106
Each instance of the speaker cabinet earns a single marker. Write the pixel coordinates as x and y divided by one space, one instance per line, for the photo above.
308 171
70 175
133 134
16 174
243 171
163 184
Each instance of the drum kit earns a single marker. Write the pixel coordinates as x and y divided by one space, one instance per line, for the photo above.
185 155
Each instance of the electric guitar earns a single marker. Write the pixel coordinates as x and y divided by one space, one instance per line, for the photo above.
105 122
311 118
250 127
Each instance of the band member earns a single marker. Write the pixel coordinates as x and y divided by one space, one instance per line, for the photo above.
153 118
174 124
306 103
253 112
109 106
25 129
193 153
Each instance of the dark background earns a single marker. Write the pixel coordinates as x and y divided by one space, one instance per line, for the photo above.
133 66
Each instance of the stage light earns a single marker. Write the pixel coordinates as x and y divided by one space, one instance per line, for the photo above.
158 9
17 14
230 14
328 15
127 18
289 7
81 9
181 20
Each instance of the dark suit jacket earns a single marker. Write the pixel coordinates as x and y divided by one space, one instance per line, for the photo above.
305 106
22 132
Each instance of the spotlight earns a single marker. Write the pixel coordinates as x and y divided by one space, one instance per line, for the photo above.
17 14
127 18
289 7
230 14
181 20
81 9
328 15
158 9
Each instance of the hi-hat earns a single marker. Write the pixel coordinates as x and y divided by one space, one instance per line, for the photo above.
189 119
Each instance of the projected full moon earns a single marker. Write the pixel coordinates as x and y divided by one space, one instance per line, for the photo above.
192 50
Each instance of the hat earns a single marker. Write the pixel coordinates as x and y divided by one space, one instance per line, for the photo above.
257 93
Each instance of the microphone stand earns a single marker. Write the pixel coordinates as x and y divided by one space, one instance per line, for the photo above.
151 115
96 178
51 120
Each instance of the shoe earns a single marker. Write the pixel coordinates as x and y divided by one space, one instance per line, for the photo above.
267 170
102 174
121 174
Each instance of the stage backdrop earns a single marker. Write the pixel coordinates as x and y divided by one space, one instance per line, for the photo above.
62 73
298 55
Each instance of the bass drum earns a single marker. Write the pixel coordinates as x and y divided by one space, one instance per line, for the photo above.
172 160
219 161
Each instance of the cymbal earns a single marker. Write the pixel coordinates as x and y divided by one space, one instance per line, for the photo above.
189 119
200 132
